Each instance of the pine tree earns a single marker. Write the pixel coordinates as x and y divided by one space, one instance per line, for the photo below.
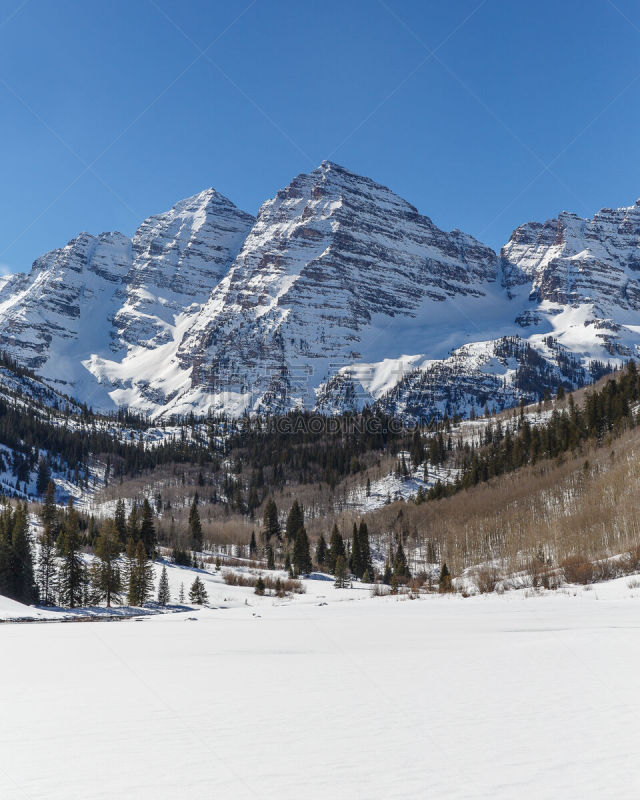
195 527
120 521
147 530
44 476
105 572
164 595
271 562
46 568
72 574
260 586
24 586
92 532
133 523
141 583
270 524
301 553
336 549
417 449
6 551
357 566
181 593
197 593
129 563
400 566
365 548
444 583
253 547
295 521
341 572
321 552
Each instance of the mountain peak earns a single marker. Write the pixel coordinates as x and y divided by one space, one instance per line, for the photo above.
209 308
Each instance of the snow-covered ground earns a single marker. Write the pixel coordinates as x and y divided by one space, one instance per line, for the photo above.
393 486
220 594
518 695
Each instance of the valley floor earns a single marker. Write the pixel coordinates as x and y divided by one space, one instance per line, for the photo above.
491 696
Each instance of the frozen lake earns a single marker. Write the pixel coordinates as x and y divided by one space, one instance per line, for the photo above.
492 696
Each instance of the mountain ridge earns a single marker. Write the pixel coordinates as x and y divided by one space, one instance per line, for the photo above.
338 294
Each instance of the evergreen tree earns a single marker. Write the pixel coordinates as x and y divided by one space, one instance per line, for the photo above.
195 527
44 476
129 565
46 568
321 552
133 523
400 566
120 521
365 550
341 572
301 553
164 595
336 549
270 524
6 551
357 566
92 532
260 586
253 547
444 583
72 574
147 530
271 562
295 521
417 449
197 593
24 586
181 593
105 572
141 582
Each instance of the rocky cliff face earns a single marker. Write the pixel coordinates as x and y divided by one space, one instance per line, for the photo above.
339 294
52 317
101 296
337 268
572 261
178 257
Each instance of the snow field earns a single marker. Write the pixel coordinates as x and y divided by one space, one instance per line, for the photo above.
493 696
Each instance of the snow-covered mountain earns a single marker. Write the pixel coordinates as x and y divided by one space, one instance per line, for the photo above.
336 269
340 293
178 257
100 297
61 312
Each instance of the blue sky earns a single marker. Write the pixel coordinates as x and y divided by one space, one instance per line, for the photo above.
482 114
